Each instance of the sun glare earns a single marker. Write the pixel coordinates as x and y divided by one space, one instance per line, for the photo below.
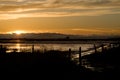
17 32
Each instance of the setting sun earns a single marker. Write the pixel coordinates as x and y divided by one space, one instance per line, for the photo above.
17 32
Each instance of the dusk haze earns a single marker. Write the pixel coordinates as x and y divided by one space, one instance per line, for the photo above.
84 17
60 39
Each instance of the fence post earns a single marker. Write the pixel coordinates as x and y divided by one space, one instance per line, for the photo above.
102 47
80 57
44 51
2 49
95 48
69 55
32 48
109 46
119 45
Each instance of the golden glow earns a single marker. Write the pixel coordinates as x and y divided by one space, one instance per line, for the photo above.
17 32
85 17
18 47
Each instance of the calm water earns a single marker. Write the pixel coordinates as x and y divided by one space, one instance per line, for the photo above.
27 47
61 47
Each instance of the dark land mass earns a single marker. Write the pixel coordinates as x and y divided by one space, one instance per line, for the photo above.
61 41
56 65
57 37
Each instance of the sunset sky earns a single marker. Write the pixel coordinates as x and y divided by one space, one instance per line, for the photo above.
84 17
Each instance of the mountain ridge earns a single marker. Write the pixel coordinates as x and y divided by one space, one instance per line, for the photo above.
56 36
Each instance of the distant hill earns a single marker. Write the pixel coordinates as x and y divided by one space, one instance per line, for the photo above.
55 36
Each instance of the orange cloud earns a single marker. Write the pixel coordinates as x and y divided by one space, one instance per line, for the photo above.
57 8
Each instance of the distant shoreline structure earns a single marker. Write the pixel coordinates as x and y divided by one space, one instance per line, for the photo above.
56 36
61 41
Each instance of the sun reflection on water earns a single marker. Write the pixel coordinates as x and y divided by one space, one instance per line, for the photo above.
18 47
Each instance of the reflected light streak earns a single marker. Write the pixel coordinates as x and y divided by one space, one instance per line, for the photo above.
18 47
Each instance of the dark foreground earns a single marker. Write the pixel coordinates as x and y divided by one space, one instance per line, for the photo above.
55 65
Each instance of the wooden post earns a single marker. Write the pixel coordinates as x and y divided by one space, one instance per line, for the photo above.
102 47
119 45
69 55
95 48
109 46
2 49
44 51
32 48
0 46
112 45
80 57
